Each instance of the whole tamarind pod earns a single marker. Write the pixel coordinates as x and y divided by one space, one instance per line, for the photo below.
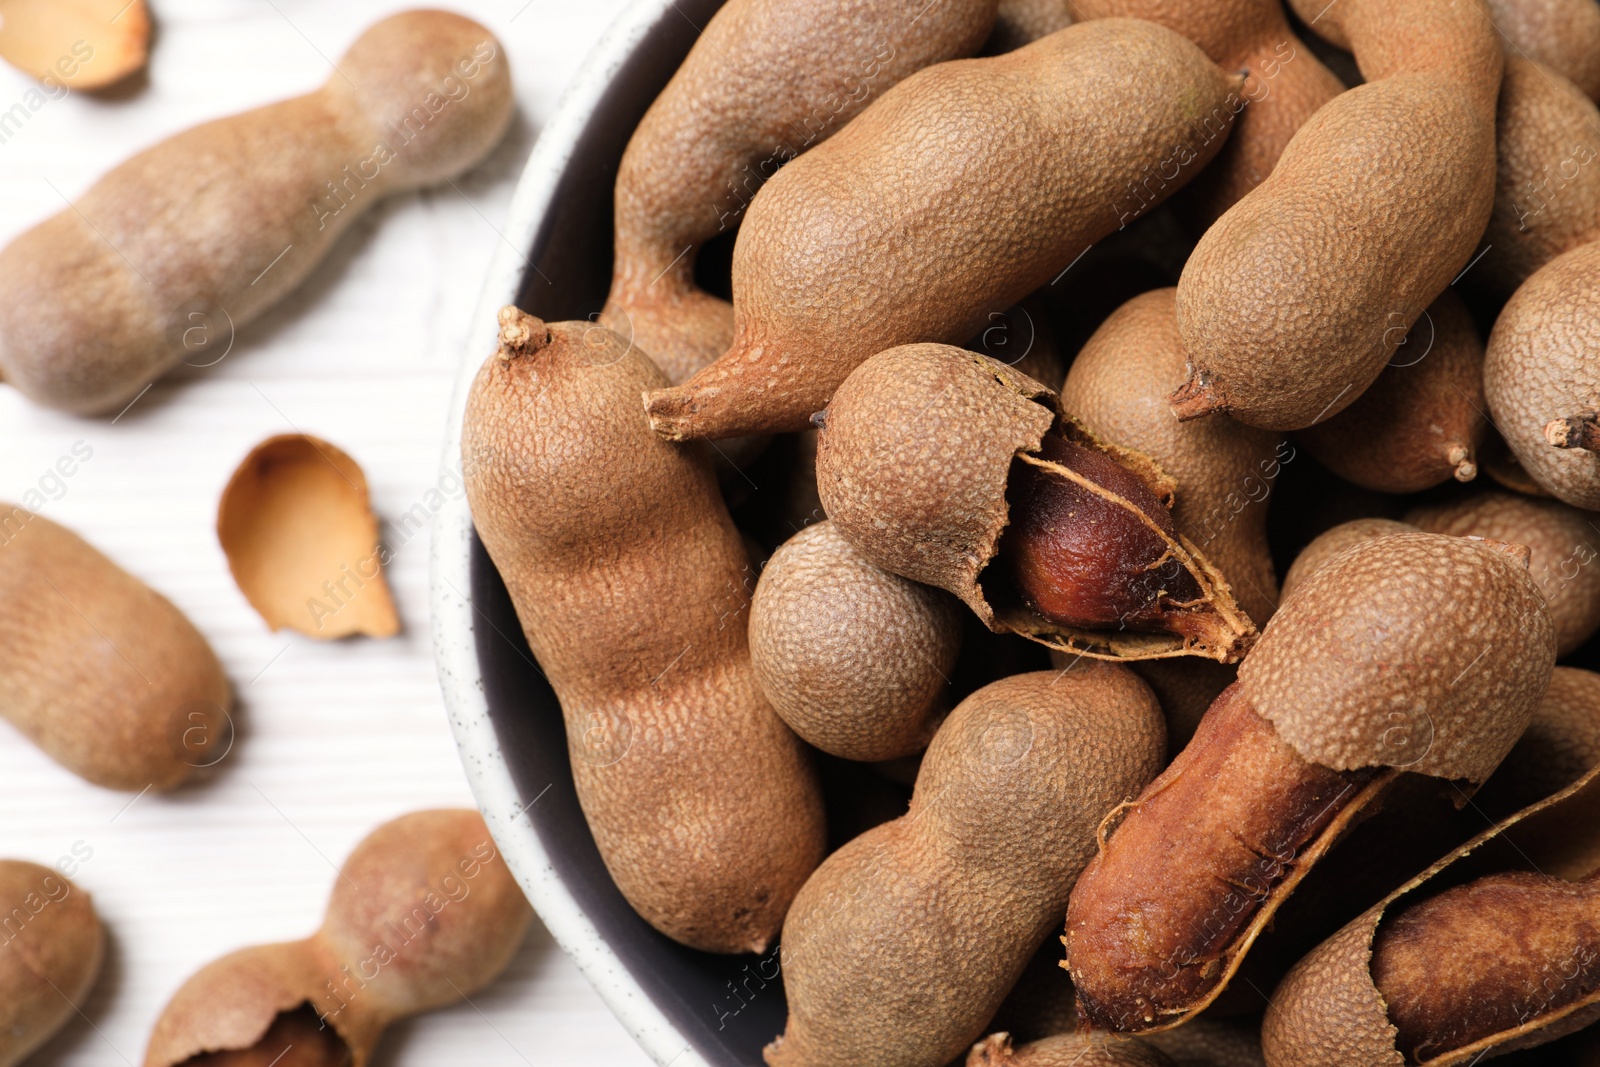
1327 545
765 81
1284 85
1066 1050
1547 190
1297 297
1561 34
211 227
905 941
1542 381
865 242
856 660
1372 667
949 468
632 586
1561 546
53 946
1560 746
1223 469
1421 422
99 670
1020 22
424 912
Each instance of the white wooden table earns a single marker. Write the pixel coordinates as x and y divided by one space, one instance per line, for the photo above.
333 738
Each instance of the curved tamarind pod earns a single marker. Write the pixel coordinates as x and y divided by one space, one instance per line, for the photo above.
1297 297
865 242
1562 34
765 81
53 945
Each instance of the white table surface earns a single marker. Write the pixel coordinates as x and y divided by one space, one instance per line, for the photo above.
333 738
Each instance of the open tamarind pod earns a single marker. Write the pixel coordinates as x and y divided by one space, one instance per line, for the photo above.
1371 668
1224 470
905 941
53 946
632 586
1330 544
1561 34
424 913
856 660
1560 746
949 468
1284 85
1207 1042
1561 546
765 81
1493 948
865 242
1295 300
1421 422
1066 1050
1020 22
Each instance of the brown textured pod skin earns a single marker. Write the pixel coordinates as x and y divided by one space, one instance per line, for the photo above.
1020 22
914 457
765 81
425 902
1118 386
52 947
1562 34
1066 1050
1285 84
1206 1042
866 242
1561 545
902 945
1330 544
1540 371
1560 746
190 226
1547 188
99 670
632 586
1422 421
1296 299
855 659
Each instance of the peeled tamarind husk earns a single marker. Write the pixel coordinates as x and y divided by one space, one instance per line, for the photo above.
928 454
53 946
903 943
1542 380
1353 682
167 254
1295 300
1532 964
856 660
423 913
1561 34
632 586
1422 421
99 670
82 44
1020 22
766 81
296 524
1224 470
865 242
1066 1050
1561 543
1328 545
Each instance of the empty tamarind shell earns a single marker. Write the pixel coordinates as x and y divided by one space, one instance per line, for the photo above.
915 466
51 947
1327 545
1066 1050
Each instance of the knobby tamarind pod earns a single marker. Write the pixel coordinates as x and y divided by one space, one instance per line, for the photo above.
1284 85
218 223
50 956
1296 299
904 942
951 469
1370 668
1066 1050
1421 422
424 912
632 586
765 81
1562 34
865 242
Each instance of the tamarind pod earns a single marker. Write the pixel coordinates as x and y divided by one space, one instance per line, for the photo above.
1329 544
53 948
1561 34
1066 1050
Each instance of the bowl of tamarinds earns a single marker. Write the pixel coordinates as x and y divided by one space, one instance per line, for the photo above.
1026 532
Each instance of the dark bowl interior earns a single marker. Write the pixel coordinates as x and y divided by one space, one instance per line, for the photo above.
727 1007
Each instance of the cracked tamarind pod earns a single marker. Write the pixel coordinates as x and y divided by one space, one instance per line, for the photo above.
765 81
1413 653
632 585
951 469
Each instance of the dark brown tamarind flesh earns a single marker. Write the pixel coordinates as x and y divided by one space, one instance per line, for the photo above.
1487 957
1152 919
1082 560
296 1038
